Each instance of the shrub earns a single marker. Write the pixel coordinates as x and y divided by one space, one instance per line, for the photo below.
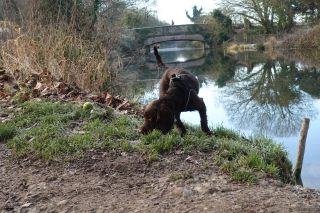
303 40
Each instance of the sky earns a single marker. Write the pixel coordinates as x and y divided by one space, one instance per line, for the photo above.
175 9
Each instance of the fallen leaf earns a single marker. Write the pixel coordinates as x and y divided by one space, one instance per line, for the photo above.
190 159
39 86
109 99
122 105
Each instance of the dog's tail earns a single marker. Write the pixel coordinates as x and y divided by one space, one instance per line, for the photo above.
158 57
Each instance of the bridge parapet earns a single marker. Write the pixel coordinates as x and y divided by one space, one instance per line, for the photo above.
158 39
149 35
171 30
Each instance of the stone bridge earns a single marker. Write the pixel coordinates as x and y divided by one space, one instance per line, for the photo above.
151 35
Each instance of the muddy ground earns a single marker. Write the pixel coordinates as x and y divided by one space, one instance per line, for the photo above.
120 182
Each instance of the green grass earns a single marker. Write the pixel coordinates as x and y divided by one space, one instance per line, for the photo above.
7 132
175 177
241 175
179 176
51 131
63 131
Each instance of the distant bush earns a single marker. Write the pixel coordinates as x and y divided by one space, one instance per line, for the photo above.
271 42
303 40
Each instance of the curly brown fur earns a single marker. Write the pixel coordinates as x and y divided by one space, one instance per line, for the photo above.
178 93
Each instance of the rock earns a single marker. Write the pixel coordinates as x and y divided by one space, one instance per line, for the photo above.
212 190
35 188
31 210
263 182
26 205
236 207
187 192
177 191
62 203
100 210
202 188
51 178
25 208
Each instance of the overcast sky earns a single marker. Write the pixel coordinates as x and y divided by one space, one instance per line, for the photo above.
175 9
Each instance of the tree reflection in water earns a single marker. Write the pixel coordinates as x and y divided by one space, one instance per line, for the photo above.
268 99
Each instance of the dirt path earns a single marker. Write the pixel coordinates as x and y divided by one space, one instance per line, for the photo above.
115 182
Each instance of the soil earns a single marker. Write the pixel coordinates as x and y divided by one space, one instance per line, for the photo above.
124 182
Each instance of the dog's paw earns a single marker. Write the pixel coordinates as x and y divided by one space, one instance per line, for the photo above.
210 133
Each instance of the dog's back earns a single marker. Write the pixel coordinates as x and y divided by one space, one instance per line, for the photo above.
188 79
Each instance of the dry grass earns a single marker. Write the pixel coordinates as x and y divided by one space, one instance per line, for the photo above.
69 46
60 51
271 43
234 48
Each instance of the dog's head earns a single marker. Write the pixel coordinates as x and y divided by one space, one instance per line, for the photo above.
157 115
175 77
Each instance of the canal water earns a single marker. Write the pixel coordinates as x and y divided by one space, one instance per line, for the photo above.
253 93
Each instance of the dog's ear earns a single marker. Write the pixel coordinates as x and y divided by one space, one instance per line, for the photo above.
165 119
175 77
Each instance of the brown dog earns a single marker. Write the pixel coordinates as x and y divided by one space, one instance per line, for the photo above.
178 93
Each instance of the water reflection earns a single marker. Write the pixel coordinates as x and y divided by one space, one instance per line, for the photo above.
182 55
173 57
267 98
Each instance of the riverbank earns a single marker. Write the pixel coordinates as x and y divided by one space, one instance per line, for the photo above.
305 39
120 182
58 153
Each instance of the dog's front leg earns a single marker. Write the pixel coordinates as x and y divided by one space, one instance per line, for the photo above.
203 116
179 124
197 103
201 108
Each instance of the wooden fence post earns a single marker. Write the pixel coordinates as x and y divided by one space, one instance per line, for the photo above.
302 144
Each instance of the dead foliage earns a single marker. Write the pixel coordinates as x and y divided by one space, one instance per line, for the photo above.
16 89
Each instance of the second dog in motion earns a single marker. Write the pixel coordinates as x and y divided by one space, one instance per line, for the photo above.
178 93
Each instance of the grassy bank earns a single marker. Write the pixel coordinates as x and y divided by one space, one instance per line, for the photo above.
64 131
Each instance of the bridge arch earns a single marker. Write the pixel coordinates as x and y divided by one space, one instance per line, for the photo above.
158 39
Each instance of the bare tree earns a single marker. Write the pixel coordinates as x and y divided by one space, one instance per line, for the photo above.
258 11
